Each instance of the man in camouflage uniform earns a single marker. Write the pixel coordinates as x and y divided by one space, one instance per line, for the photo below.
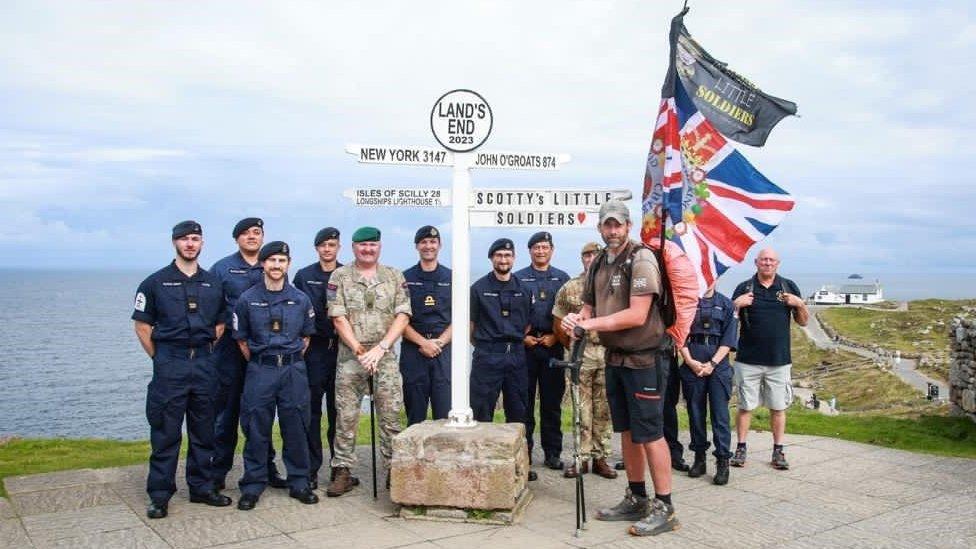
594 412
370 306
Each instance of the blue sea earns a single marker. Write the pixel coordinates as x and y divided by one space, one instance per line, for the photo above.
70 364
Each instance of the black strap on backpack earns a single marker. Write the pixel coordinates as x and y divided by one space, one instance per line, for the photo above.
665 302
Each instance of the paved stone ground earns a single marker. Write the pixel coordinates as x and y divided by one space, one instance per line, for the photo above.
837 494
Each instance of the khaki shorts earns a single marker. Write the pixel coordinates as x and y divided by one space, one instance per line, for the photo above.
768 386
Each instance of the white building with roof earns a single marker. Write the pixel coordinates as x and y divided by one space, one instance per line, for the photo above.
853 294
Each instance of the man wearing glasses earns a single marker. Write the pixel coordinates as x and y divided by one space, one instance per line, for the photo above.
370 307
764 304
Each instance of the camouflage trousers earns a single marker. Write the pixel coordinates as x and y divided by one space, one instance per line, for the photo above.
350 385
595 427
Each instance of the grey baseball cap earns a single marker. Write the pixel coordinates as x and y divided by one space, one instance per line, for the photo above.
615 209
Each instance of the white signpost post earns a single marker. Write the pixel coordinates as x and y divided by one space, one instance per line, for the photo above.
461 121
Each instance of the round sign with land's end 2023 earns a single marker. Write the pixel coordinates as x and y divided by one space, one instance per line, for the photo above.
461 120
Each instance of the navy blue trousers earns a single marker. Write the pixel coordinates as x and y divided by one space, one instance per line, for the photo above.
270 388
704 395
231 367
551 385
321 363
671 397
499 372
425 381
181 386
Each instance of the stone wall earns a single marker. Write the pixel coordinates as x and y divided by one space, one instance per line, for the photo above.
962 367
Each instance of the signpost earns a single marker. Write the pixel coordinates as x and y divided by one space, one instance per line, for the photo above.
461 121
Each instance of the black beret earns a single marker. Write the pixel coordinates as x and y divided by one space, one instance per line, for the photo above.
246 224
328 233
273 248
501 244
541 236
427 231
184 228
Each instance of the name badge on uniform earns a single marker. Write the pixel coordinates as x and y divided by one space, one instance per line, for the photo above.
276 325
191 304
429 301
504 312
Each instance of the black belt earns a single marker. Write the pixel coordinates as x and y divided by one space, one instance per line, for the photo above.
272 359
497 346
176 350
430 331
704 339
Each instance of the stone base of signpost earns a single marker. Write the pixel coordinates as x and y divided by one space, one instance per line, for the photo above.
476 474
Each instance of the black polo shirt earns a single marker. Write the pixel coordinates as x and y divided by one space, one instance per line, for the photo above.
764 327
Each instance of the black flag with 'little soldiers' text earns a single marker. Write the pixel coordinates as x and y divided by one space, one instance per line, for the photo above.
733 104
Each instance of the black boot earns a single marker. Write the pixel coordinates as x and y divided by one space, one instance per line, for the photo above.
721 471
698 467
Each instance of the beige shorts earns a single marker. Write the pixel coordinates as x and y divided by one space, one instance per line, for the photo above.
768 386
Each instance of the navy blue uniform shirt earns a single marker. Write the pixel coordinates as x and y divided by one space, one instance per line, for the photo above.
313 281
716 317
542 287
236 275
273 322
430 298
764 329
499 310
182 310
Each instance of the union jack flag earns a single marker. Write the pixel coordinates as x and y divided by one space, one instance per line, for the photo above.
718 206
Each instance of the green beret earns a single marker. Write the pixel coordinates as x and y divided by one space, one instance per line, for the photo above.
366 234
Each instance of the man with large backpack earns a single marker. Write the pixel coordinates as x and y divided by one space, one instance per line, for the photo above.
622 300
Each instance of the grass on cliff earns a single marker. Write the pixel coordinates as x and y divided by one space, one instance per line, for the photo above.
856 383
923 328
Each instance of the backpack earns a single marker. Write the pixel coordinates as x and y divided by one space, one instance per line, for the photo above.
679 284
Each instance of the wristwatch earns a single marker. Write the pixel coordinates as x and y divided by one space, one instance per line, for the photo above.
384 346
711 363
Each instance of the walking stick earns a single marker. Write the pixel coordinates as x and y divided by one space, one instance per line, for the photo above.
372 428
574 364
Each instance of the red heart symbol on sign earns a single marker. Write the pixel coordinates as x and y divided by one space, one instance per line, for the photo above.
581 216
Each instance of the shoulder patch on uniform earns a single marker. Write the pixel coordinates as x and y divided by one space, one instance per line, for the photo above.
140 302
640 282
234 321
311 312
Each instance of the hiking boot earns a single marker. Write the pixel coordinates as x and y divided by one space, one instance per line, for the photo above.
571 472
779 460
721 471
341 484
602 468
739 459
698 467
661 519
632 508
678 464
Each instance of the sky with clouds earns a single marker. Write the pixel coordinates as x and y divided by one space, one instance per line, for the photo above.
118 119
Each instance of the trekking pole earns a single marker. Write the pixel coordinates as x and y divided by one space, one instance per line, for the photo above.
372 428
573 365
